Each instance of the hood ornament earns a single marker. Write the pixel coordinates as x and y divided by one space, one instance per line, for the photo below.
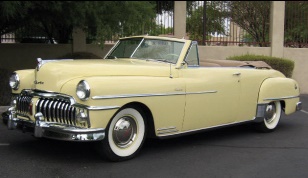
39 63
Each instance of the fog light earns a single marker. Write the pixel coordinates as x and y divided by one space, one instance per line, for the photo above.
82 118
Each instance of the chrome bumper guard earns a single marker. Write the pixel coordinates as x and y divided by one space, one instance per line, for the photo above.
299 106
262 107
53 130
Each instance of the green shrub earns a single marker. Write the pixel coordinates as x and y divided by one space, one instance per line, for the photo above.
285 66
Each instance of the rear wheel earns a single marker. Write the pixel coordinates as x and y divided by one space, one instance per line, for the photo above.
272 117
124 136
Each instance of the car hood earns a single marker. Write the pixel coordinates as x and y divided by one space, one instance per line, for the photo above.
52 75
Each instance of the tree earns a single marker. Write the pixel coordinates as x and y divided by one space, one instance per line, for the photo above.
163 6
253 16
56 19
12 15
121 18
215 16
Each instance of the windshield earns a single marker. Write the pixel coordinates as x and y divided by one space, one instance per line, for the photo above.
148 49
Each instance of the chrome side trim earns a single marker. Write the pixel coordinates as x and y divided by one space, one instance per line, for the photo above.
275 99
149 95
102 107
135 95
201 92
167 130
205 128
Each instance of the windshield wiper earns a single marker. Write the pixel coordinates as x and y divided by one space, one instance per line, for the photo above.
159 60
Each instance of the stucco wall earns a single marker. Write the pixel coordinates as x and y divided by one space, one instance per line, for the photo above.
300 73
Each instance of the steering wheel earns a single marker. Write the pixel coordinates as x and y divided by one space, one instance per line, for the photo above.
172 55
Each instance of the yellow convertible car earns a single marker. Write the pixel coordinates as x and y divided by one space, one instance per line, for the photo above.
146 86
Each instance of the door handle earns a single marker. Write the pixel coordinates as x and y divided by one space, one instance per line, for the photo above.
237 74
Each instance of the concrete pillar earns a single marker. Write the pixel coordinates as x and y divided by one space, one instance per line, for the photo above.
79 40
277 28
179 19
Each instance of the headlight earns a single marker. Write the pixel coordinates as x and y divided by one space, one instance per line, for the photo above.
83 90
14 81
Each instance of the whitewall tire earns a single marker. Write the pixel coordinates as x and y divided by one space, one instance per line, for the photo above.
125 135
272 117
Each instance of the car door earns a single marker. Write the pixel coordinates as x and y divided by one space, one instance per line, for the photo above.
212 94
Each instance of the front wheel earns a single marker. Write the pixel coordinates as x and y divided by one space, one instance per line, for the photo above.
124 135
272 117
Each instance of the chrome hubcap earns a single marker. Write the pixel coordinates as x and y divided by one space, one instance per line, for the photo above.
270 113
124 132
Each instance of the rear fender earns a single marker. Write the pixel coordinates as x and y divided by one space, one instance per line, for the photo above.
280 89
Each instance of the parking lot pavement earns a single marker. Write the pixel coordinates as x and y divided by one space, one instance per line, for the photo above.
3 109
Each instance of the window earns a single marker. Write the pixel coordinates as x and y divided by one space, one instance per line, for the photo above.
192 57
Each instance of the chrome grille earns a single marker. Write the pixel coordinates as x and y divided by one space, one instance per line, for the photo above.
57 110
24 105
55 107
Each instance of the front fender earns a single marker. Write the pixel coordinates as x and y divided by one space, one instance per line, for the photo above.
164 96
280 89
113 87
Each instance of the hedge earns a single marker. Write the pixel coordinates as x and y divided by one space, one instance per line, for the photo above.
285 66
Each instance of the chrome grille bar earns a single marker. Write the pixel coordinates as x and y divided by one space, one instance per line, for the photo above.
23 104
57 110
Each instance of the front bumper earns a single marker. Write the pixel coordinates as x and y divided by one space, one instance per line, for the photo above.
52 130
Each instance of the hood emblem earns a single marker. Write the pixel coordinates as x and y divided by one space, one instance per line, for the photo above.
38 82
